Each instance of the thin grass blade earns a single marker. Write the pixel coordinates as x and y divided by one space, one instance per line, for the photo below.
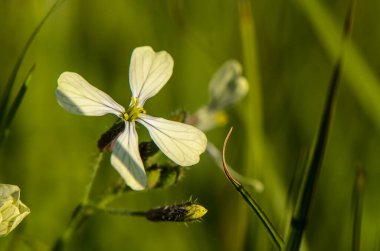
276 237
357 203
16 104
362 78
299 217
11 81
253 120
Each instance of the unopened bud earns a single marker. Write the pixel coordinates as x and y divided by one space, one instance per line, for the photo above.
227 86
185 212
207 119
160 176
12 210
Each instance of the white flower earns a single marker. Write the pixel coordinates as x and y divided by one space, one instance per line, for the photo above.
148 73
12 210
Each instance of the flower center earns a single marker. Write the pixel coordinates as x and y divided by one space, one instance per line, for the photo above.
133 111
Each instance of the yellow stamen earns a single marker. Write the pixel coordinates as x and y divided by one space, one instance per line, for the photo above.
133 111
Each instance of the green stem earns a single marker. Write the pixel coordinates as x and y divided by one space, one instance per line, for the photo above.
87 193
80 215
119 211
81 212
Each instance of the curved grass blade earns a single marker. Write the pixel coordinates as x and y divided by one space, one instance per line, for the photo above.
217 156
299 217
11 81
276 237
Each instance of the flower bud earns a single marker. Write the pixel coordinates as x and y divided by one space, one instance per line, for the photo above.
227 86
161 176
185 212
12 210
207 119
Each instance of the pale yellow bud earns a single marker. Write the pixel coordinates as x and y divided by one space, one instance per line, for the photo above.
12 210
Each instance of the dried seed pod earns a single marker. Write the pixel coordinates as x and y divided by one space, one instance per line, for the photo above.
105 141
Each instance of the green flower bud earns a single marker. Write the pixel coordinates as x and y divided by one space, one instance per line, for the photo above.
160 176
12 210
185 212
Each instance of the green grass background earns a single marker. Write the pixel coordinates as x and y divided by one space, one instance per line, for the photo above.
289 62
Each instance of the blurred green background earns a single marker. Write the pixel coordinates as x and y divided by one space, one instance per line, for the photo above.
287 49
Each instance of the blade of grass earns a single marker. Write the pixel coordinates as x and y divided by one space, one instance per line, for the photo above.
252 72
299 217
276 237
16 104
361 77
253 120
357 201
11 81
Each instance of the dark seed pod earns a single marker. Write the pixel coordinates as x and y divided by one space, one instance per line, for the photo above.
147 149
107 137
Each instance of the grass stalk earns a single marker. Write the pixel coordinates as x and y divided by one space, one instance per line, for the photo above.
253 119
357 200
15 105
361 78
299 217
6 118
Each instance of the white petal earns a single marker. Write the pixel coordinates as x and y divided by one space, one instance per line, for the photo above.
7 191
78 96
182 143
126 158
148 72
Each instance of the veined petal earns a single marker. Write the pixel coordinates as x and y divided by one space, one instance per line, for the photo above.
148 72
126 158
182 143
78 96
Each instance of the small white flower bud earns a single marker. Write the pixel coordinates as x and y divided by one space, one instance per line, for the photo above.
12 210
227 86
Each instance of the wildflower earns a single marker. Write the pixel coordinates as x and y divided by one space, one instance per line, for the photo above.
148 73
12 210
